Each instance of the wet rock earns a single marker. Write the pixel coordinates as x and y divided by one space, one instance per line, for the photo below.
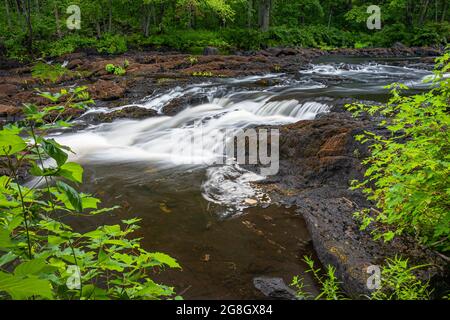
274 288
6 64
125 113
9 113
75 64
106 90
318 159
177 105
398 45
7 90
211 51
8 110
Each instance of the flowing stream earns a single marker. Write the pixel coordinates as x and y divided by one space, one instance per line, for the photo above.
203 214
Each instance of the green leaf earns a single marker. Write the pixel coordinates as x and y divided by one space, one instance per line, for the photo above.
20 288
388 236
163 258
30 267
6 258
5 203
55 151
91 292
10 143
72 195
72 171
132 221
5 240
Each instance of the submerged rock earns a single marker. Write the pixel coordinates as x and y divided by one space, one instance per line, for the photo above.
274 288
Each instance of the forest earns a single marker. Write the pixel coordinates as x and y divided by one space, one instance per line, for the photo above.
38 27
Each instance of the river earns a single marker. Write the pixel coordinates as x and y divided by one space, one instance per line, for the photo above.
205 215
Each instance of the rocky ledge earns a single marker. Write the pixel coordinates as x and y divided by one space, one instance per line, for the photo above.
318 159
150 72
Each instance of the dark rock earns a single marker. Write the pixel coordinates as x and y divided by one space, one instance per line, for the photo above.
318 159
211 51
274 288
73 64
133 112
9 113
106 90
179 104
7 90
398 45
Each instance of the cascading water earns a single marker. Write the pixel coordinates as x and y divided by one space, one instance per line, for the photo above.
157 140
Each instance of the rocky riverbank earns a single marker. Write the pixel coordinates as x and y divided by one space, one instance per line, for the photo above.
149 72
318 159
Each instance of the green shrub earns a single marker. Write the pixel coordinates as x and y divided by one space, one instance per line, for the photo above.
329 285
15 46
398 282
408 171
112 44
245 39
191 41
432 34
117 70
66 45
48 72
41 256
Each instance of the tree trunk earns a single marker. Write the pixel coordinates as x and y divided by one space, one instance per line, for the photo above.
329 18
436 11
110 17
58 25
249 13
147 20
265 15
27 7
444 11
424 13
409 14
8 16
17 7
98 29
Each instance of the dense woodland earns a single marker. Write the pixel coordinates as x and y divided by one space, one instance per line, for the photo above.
38 27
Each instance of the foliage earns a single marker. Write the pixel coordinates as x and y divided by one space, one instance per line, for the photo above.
41 256
48 72
398 282
192 60
330 287
408 170
112 44
111 27
117 70
202 74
